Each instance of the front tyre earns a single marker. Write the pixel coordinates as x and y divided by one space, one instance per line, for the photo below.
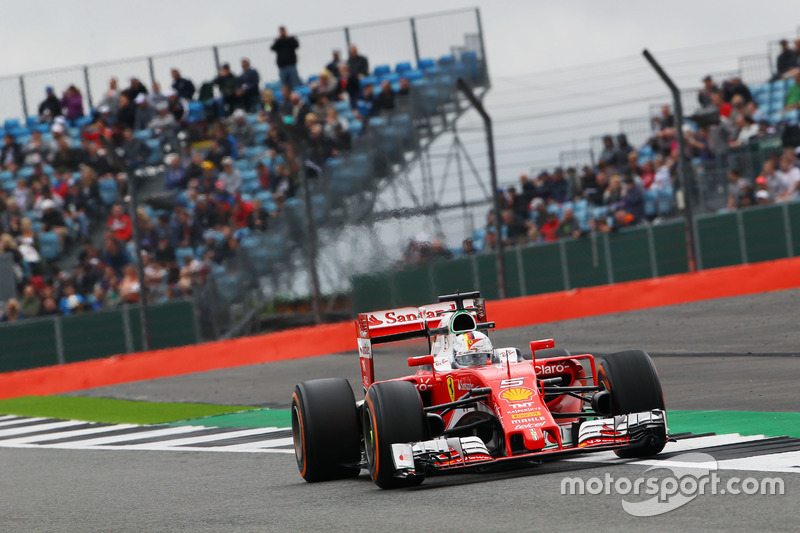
325 429
631 379
393 413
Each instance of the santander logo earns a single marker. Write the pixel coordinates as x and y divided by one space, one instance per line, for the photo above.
374 321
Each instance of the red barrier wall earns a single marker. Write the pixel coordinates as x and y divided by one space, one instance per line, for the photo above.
333 338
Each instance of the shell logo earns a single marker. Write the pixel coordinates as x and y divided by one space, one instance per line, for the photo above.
517 394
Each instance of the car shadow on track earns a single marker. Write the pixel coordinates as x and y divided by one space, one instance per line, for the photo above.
443 481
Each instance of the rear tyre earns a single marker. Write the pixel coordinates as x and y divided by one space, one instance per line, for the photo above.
325 429
631 379
392 413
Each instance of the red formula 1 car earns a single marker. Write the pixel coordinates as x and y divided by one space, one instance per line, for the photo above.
470 405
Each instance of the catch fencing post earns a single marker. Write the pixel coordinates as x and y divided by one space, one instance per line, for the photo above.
498 225
683 170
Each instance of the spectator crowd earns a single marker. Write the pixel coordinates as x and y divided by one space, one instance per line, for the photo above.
68 177
629 185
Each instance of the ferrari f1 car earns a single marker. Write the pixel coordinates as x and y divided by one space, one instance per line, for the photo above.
470 406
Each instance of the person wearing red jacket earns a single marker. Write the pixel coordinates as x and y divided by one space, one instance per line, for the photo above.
241 212
119 223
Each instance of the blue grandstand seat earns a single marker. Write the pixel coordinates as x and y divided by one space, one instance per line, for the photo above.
333 166
182 253
359 164
31 120
403 66
380 70
319 207
42 128
6 175
49 245
252 118
355 127
249 174
83 121
254 151
304 91
227 285
479 239
448 60
197 112
250 188
413 75
8 185
108 190
312 78
11 123
155 151
425 64
143 135
369 80
243 164
665 201
391 77
650 203
791 115
341 106
377 122
599 212
25 172
18 131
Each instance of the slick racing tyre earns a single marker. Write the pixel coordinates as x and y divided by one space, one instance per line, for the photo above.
631 379
392 414
327 440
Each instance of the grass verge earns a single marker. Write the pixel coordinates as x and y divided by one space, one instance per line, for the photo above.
111 411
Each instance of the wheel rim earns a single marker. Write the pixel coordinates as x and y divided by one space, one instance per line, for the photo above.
299 437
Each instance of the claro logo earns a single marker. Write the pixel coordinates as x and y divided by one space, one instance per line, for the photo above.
549 369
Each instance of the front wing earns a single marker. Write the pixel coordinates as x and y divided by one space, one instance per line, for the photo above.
455 453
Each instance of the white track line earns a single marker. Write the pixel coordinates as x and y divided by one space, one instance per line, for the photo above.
156 432
203 438
19 420
40 427
62 435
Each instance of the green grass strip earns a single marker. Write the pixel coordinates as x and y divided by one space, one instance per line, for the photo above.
742 422
259 418
111 411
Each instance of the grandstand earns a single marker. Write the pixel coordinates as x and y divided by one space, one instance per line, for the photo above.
352 186
241 258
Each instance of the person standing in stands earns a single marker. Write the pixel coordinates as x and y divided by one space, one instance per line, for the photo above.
786 60
359 65
285 47
247 95
226 82
183 86
333 66
72 101
50 107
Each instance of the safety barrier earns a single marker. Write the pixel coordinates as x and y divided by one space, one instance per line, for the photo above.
58 340
750 235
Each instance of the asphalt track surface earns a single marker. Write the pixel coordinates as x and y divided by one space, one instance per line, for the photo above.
733 354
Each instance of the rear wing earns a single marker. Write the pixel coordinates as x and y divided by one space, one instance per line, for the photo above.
380 327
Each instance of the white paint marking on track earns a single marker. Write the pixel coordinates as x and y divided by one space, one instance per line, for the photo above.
18 420
39 427
233 434
8 417
157 431
63 435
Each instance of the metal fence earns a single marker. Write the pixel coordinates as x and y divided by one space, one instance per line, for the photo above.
57 340
748 235
384 42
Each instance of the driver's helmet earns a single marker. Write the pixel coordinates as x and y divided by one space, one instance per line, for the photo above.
472 349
